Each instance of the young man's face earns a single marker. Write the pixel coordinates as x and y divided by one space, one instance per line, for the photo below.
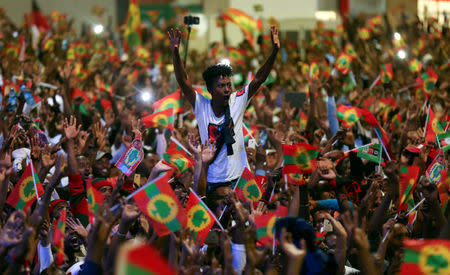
222 90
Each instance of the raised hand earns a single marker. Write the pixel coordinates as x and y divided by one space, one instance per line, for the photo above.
208 152
99 132
130 213
70 128
294 253
77 227
274 36
175 38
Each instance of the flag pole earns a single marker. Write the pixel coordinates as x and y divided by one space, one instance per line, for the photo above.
209 211
426 121
179 144
248 131
379 160
234 188
34 180
384 147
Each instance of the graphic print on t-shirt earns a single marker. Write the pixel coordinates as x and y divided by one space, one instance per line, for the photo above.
213 132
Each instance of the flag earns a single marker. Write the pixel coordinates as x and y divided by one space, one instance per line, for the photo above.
11 49
265 224
59 229
199 218
433 127
94 198
178 158
203 91
236 55
129 161
386 73
246 23
343 63
171 101
164 118
350 50
395 122
372 121
141 258
38 19
348 115
153 15
97 10
349 84
370 152
375 21
314 70
24 195
302 119
364 33
444 140
133 26
253 128
436 169
295 178
237 78
426 257
407 184
160 205
79 72
415 66
399 44
48 44
246 188
300 158
427 80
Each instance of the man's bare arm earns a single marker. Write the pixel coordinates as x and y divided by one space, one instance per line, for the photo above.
264 71
180 72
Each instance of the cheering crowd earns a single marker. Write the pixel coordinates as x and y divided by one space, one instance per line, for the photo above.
328 157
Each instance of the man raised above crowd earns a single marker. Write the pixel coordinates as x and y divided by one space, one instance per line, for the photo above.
220 119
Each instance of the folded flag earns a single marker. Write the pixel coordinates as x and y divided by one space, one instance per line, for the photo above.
348 115
246 23
371 153
237 78
408 181
129 161
160 205
135 258
436 169
246 188
426 257
433 127
24 194
395 122
164 118
199 217
372 121
386 73
300 158
59 228
94 198
178 157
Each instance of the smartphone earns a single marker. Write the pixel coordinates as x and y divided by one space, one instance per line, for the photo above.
252 143
263 137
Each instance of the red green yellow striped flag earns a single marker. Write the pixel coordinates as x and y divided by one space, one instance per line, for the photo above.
59 228
433 127
132 33
300 158
236 55
94 198
343 63
348 115
407 184
13 50
112 50
425 257
427 80
314 70
160 205
415 66
164 118
199 217
24 194
141 259
252 128
350 50
171 101
370 152
153 15
178 157
395 122
203 91
265 225
386 73
246 23
246 188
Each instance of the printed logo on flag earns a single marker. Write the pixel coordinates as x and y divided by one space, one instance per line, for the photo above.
162 208
198 219
27 193
131 159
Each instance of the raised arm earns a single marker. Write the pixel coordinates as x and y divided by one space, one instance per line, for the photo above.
264 71
180 72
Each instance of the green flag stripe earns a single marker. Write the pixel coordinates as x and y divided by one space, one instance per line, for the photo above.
289 160
132 269
20 204
261 232
411 256
174 224
152 190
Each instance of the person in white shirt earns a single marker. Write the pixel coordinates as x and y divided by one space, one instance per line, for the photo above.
220 119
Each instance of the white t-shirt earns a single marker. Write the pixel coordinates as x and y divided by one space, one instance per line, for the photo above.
224 168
